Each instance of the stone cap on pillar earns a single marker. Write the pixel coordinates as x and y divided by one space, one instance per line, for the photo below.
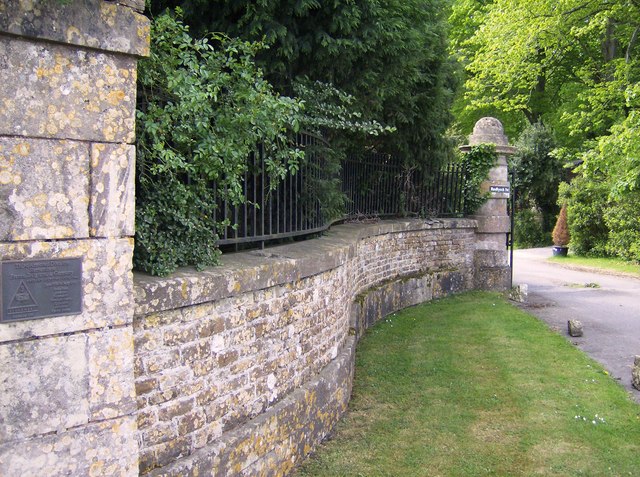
489 130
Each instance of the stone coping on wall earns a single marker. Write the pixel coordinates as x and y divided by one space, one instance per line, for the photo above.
116 27
244 272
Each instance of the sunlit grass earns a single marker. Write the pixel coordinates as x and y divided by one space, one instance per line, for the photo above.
472 386
607 264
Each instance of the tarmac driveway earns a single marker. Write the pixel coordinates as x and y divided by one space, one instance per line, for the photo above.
607 305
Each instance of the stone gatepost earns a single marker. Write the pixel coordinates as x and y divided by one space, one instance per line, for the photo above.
67 118
491 256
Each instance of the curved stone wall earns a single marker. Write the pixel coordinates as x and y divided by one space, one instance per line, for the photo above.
243 368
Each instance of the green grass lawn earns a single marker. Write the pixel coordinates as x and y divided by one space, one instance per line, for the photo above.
611 264
471 385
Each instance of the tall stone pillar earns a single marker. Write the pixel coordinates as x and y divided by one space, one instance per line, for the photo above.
491 256
67 118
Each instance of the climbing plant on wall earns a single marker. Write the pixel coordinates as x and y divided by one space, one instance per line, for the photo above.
478 161
203 106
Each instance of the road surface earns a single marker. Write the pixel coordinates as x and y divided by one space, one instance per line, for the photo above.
607 305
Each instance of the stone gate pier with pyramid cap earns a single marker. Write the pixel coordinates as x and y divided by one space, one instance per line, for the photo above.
492 270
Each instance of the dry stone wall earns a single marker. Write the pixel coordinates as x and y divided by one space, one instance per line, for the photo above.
67 104
242 369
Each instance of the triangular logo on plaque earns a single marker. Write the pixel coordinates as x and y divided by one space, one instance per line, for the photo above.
22 297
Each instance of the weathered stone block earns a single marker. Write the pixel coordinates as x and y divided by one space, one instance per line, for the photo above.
161 432
191 422
491 258
175 409
91 23
103 449
110 355
519 293
575 328
635 373
180 335
112 207
56 91
493 278
145 386
63 382
165 453
492 221
137 5
44 386
43 189
449 282
106 285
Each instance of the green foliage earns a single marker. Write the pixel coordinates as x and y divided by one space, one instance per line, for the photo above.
623 220
329 112
203 106
575 65
586 202
537 173
477 163
328 109
324 185
568 62
390 56
617 156
529 231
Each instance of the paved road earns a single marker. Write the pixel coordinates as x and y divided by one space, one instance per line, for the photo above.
607 305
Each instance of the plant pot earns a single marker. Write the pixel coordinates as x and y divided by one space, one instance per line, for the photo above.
559 251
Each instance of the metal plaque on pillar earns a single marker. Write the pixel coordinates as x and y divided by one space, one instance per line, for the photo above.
33 289
500 189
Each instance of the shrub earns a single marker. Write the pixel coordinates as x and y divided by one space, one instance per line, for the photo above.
623 220
537 173
528 231
560 234
203 107
586 202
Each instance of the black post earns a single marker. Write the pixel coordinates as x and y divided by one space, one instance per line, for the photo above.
513 221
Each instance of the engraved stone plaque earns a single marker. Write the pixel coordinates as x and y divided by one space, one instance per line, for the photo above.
34 289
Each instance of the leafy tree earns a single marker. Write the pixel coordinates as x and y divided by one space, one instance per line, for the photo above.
561 60
528 230
537 173
574 64
203 106
586 205
623 221
390 56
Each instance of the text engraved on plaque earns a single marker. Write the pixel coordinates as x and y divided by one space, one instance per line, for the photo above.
34 289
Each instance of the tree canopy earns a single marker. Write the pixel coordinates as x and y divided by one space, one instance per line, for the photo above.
391 57
567 62
573 65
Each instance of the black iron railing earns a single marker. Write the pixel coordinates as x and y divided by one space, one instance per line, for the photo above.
374 185
286 210
381 185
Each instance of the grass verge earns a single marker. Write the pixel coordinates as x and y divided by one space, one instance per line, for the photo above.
471 385
607 264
